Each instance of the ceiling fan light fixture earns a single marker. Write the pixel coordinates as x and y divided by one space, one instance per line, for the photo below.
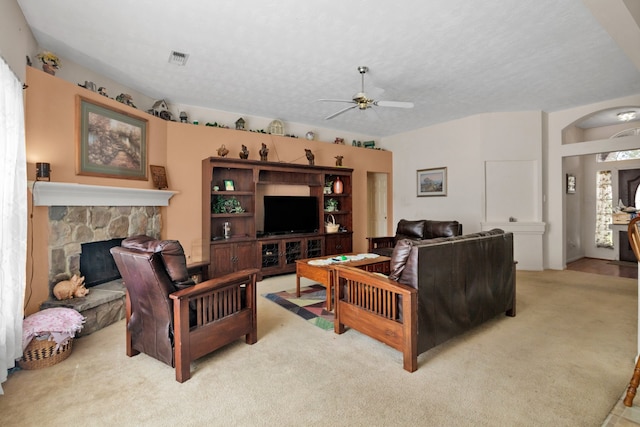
627 116
178 58
362 102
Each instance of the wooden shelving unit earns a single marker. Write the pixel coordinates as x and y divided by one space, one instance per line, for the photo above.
272 254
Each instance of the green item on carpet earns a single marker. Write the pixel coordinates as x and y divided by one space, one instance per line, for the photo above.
311 305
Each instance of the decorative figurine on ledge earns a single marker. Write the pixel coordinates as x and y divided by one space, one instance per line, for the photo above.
50 62
89 85
223 151
310 156
240 124
103 91
339 160
244 153
126 99
264 152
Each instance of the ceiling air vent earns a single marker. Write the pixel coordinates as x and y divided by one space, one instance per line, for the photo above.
178 58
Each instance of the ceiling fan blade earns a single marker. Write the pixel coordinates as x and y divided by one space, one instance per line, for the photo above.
336 100
340 112
397 104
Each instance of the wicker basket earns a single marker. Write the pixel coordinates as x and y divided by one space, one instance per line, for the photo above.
43 353
331 227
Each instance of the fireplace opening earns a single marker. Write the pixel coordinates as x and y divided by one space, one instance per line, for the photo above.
96 263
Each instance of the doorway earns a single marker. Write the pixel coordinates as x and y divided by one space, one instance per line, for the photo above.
377 204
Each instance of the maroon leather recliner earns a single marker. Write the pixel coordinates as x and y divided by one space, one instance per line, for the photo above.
174 320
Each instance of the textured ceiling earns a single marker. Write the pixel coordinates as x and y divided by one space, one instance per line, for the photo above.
275 58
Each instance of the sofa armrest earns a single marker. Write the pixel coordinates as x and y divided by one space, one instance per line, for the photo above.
380 242
380 308
225 310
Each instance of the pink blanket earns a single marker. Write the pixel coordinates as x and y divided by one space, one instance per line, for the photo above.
54 324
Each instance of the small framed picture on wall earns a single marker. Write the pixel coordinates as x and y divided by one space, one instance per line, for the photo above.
228 185
159 177
432 182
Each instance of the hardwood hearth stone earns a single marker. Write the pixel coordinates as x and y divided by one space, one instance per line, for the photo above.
103 306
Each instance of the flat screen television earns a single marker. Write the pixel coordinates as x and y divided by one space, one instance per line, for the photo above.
290 214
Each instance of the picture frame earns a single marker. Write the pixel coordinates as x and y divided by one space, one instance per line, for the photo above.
159 177
571 183
228 185
432 182
110 142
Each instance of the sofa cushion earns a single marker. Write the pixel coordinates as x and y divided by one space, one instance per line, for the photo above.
399 258
409 275
433 229
409 229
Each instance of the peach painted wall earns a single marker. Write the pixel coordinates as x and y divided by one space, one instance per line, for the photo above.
51 126
189 144
50 130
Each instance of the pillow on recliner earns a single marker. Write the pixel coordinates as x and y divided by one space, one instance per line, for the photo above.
171 251
399 258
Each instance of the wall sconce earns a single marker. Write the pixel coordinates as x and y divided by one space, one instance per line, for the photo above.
43 172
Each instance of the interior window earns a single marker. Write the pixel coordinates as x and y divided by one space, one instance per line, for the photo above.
614 156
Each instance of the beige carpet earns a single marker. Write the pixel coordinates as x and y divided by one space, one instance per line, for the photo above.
563 361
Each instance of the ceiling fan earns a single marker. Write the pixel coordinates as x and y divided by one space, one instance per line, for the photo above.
362 101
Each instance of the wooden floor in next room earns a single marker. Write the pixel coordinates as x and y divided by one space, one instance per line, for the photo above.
605 267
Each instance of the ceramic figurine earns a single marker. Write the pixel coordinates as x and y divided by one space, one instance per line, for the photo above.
244 153
310 156
223 151
68 289
126 99
339 160
264 152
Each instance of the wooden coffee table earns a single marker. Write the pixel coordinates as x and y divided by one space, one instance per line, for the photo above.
323 273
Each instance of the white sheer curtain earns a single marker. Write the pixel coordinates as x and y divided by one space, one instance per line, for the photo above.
13 219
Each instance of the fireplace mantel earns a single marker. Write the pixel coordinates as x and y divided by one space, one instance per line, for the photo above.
70 194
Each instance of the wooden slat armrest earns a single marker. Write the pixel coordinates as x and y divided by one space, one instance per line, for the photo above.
380 308
374 279
218 282
380 242
223 311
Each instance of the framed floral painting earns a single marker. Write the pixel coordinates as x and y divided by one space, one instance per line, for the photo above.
111 143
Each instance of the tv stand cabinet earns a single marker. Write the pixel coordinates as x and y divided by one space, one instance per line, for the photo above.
277 256
271 254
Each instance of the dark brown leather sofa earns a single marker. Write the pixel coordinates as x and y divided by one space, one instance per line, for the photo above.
415 230
437 289
171 318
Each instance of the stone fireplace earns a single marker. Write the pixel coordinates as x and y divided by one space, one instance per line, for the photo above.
72 226
84 217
